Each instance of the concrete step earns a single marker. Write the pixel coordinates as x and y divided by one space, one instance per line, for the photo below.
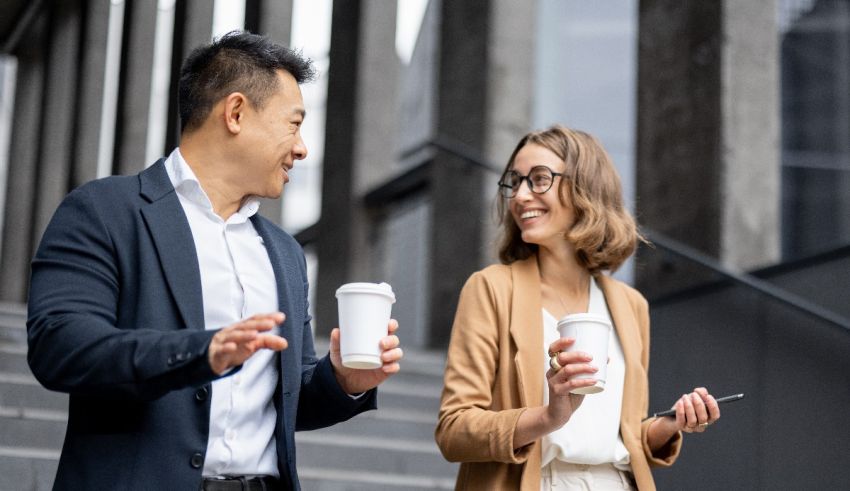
36 428
19 390
13 358
13 319
390 423
13 330
375 454
392 448
397 393
29 469
325 479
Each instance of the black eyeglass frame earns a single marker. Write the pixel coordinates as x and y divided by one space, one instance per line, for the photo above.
505 188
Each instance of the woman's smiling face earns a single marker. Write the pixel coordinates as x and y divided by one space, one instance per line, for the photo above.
543 218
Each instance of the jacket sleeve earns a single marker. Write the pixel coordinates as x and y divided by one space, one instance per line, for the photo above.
468 430
75 345
666 455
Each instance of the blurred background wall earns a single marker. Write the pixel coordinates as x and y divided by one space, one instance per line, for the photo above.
728 120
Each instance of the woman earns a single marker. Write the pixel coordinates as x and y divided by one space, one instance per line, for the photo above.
507 413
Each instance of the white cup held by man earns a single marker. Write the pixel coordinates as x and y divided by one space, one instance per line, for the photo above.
591 332
364 314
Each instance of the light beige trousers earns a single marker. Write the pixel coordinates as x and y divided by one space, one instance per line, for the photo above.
561 476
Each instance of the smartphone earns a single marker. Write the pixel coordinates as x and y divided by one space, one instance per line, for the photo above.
720 400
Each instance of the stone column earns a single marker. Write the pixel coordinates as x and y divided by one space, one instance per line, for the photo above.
750 220
91 93
135 92
708 140
510 102
192 28
359 145
56 144
456 218
335 224
23 162
273 18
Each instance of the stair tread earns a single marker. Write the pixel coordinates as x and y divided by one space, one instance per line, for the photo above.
399 435
366 477
29 452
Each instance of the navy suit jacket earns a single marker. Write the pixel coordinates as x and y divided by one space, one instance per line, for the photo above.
116 320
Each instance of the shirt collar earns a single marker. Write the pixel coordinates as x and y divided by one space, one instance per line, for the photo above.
188 186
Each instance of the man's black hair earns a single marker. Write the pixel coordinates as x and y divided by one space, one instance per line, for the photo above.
237 62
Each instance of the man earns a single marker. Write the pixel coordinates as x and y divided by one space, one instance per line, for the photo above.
156 299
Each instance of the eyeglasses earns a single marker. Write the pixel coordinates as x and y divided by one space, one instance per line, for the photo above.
540 179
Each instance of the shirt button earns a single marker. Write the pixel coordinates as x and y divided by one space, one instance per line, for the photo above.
230 435
237 379
201 394
197 460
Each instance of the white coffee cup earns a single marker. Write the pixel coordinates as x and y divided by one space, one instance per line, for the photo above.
364 313
591 332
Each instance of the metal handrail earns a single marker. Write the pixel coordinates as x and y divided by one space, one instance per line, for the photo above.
792 300
454 147
781 295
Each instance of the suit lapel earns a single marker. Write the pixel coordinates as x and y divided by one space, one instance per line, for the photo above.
174 244
284 267
526 330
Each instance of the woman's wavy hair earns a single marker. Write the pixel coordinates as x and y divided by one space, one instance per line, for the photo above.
604 233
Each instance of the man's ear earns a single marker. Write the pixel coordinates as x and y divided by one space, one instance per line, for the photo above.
235 106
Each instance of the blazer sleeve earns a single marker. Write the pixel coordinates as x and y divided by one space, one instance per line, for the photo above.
468 430
75 345
666 455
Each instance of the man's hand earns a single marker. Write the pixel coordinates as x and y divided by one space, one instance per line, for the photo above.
355 381
234 344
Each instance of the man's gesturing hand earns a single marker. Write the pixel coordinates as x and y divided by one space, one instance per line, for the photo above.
234 344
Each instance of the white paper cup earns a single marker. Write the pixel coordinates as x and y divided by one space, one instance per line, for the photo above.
364 313
591 332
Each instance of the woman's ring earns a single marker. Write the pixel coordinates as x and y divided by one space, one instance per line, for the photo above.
552 353
703 425
553 362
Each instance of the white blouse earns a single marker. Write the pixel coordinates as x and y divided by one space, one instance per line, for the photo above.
592 435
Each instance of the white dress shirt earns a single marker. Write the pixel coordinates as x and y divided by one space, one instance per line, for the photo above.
592 435
237 281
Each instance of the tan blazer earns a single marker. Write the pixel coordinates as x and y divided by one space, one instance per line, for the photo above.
494 371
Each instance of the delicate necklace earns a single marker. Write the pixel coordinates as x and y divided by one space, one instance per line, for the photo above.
566 310
560 300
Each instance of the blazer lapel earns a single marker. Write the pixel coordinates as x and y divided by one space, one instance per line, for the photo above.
284 267
624 322
526 330
172 237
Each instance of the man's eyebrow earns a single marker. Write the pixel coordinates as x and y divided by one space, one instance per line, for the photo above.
300 111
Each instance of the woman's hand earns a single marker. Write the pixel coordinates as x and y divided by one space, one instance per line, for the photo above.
536 422
694 413
562 380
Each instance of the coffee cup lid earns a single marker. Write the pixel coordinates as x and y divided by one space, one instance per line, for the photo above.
376 288
584 317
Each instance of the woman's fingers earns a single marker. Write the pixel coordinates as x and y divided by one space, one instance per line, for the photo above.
700 411
690 413
711 406
561 344
570 357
